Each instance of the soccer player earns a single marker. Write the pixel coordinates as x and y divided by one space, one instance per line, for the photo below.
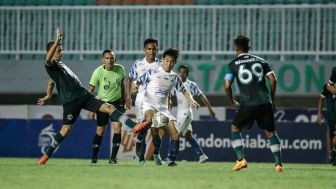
330 99
331 87
185 114
159 82
108 79
138 69
74 96
256 101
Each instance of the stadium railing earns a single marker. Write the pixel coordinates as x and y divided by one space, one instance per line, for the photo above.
195 30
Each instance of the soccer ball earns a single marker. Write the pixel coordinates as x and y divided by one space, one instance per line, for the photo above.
160 120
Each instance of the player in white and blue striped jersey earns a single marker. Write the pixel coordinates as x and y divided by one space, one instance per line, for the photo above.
139 68
158 83
185 114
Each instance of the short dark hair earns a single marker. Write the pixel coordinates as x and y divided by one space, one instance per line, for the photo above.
151 40
106 51
171 52
242 42
184 67
49 45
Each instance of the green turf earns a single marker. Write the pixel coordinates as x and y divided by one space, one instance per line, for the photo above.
79 174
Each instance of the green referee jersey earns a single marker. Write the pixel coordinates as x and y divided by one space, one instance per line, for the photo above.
250 72
108 83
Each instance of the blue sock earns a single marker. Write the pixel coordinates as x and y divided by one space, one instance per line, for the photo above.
174 148
197 148
157 145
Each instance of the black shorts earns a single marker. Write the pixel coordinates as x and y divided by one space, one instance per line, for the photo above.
72 109
263 114
103 118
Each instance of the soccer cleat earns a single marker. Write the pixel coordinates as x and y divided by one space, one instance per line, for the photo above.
94 161
278 169
43 159
240 165
142 163
113 161
157 159
172 164
203 159
141 126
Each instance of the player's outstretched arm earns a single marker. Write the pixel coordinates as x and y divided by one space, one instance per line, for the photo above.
50 88
207 103
320 117
52 50
228 91
191 100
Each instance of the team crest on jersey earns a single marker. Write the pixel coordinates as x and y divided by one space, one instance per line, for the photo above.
69 117
106 87
46 139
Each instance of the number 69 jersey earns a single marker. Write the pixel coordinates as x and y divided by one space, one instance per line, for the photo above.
250 72
159 84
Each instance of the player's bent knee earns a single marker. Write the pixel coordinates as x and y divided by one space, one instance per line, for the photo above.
107 108
100 130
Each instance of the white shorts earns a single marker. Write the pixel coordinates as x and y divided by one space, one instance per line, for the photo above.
157 108
184 119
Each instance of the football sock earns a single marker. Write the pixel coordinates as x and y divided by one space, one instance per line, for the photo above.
115 145
55 143
122 118
141 144
174 148
276 149
157 145
237 145
96 145
197 148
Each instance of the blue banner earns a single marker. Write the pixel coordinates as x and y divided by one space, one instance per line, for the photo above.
301 142
31 138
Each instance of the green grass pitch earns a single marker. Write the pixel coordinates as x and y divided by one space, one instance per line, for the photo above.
80 174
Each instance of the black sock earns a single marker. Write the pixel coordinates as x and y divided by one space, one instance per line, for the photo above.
96 145
141 144
157 145
115 145
122 118
55 143
174 148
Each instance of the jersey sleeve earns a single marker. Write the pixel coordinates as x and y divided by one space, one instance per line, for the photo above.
195 91
123 72
94 78
145 78
133 74
267 69
179 84
229 74
332 79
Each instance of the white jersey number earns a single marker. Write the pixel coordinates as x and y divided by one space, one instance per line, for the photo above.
245 76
